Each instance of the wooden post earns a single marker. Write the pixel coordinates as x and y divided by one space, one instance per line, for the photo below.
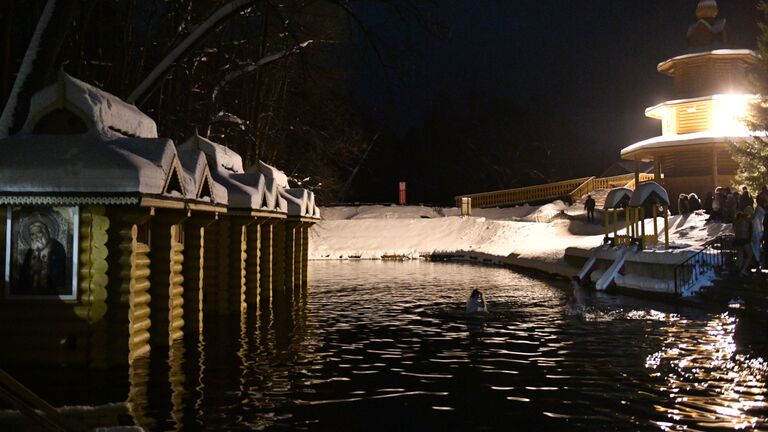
666 227
176 285
252 274
223 260
265 265
194 238
714 168
637 173
655 223
237 256
615 224
642 227
657 169
166 280
292 248
278 259
304 256
626 222
606 216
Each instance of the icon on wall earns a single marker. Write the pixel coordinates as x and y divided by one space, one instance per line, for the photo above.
41 253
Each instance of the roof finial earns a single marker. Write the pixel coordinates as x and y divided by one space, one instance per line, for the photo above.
707 10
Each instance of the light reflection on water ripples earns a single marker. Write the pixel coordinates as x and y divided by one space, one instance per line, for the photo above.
386 346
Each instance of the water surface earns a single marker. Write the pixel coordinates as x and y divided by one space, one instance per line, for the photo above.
386 346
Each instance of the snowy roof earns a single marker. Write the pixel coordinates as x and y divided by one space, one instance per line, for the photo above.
245 190
667 66
707 137
104 112
84 163
199 185
618 198
301 202
647 191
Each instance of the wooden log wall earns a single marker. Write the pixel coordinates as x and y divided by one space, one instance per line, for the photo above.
223 260
278 260
252 274
211 269
237 261
266 267
289 257
193 272
166 280
92 280
304 255
137 278
176 289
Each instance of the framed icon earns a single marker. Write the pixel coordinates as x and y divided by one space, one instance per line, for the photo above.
41 252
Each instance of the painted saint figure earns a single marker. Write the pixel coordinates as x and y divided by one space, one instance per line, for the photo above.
44 269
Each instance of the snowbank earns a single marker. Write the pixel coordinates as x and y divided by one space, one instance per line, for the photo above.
533 237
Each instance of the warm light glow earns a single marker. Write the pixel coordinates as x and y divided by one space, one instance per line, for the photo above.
729 113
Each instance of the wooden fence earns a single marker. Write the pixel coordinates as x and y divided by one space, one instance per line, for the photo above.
573 189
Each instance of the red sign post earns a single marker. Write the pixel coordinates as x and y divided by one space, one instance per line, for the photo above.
401 197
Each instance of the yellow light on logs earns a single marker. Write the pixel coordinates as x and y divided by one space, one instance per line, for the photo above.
729 113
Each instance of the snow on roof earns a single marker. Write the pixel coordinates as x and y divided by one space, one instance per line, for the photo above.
245 190
107 113
301 202
706 137
646 191
84 163
195 166
222 157
617 198
717 52
271 172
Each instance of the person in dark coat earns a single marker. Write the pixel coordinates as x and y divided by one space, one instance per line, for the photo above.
745 200
731 206
762 197
682 204
708 203
694 203
589 206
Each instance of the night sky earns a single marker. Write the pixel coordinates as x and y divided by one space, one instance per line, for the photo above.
593 61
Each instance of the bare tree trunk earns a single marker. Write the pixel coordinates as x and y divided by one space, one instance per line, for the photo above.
39 64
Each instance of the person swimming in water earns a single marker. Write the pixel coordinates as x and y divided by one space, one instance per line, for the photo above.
476 303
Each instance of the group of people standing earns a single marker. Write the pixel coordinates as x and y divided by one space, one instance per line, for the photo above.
722 205
747 214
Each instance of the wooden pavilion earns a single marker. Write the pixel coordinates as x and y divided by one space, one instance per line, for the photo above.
712 96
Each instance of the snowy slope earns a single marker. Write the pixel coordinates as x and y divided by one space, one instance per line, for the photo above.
506 235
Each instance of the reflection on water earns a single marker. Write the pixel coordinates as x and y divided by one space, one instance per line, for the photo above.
387 346
708 382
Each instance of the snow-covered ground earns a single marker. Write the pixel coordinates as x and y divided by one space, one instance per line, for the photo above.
530 236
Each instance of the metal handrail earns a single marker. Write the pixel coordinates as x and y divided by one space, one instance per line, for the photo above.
716 254
33 406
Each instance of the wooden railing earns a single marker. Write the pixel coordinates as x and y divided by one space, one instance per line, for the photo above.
575 189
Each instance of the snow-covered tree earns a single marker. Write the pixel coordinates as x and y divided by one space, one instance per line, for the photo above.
752 154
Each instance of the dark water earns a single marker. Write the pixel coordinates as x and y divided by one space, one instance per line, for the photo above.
386 346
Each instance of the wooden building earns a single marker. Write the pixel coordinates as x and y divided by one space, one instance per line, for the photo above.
712 96
117 242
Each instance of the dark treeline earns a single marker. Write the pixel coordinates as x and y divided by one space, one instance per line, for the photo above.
301 112
471 144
